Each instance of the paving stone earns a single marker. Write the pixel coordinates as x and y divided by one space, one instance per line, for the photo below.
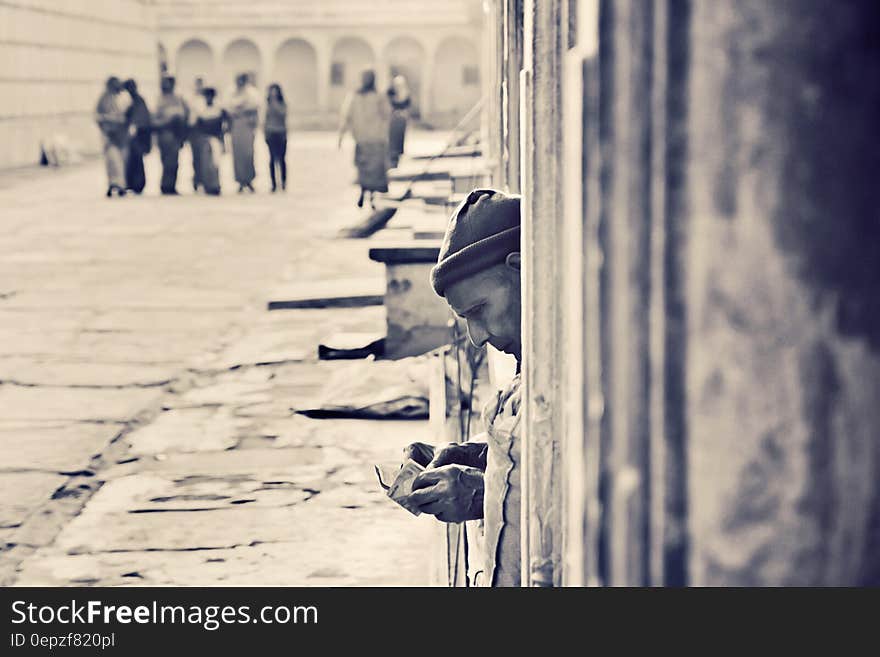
186 430
265 347
22 492
232 393
352 553
32 371
49 446
25 403
34 342
172 320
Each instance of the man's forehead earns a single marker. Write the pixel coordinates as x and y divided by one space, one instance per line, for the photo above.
464 294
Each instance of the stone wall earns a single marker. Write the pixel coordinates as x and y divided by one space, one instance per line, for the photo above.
54 59
783 376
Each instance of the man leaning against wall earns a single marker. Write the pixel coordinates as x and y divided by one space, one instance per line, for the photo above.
478 274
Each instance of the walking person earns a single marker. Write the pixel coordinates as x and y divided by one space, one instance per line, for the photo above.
399 97
170 122
365 115
243 113
140 138
114 129
209 126
275 128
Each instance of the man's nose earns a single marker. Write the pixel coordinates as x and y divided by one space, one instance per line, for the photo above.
478 335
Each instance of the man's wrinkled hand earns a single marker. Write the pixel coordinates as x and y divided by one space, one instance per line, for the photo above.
451 493
469 454
421 453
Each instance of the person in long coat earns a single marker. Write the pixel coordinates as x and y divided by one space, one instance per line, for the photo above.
170 122
243 113
365 114
140 138
110 118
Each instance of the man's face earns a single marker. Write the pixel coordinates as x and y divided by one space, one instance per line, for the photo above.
489 302
167 86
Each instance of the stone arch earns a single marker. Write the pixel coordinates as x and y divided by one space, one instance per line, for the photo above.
240 56
350 57
406 56
194 59
296 69
456 83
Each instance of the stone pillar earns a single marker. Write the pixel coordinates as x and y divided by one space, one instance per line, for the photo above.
322 60
541 238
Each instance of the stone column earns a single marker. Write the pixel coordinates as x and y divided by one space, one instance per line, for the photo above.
322 47
541 237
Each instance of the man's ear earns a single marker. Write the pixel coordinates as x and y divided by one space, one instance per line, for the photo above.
513 261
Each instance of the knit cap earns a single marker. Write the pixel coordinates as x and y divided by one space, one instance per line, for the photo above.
482 232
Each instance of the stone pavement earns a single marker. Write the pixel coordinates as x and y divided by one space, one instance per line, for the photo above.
146 435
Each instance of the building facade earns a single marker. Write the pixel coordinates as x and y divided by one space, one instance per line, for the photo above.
55 56
317 50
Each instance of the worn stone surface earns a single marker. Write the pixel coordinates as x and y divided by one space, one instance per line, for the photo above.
22 491
52 445
126 294
84 404
46 372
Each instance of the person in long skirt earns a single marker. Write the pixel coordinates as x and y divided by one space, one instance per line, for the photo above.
209 126
398 96
365 114
140 139
170 121
275 128
243 114
114 130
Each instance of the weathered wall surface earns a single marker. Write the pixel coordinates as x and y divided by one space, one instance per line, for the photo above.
782 268
54 59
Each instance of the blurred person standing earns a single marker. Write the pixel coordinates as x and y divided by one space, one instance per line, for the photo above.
114 128
275 128
170 121
209 125
365 113
196 102
140 138
243 110
399 97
